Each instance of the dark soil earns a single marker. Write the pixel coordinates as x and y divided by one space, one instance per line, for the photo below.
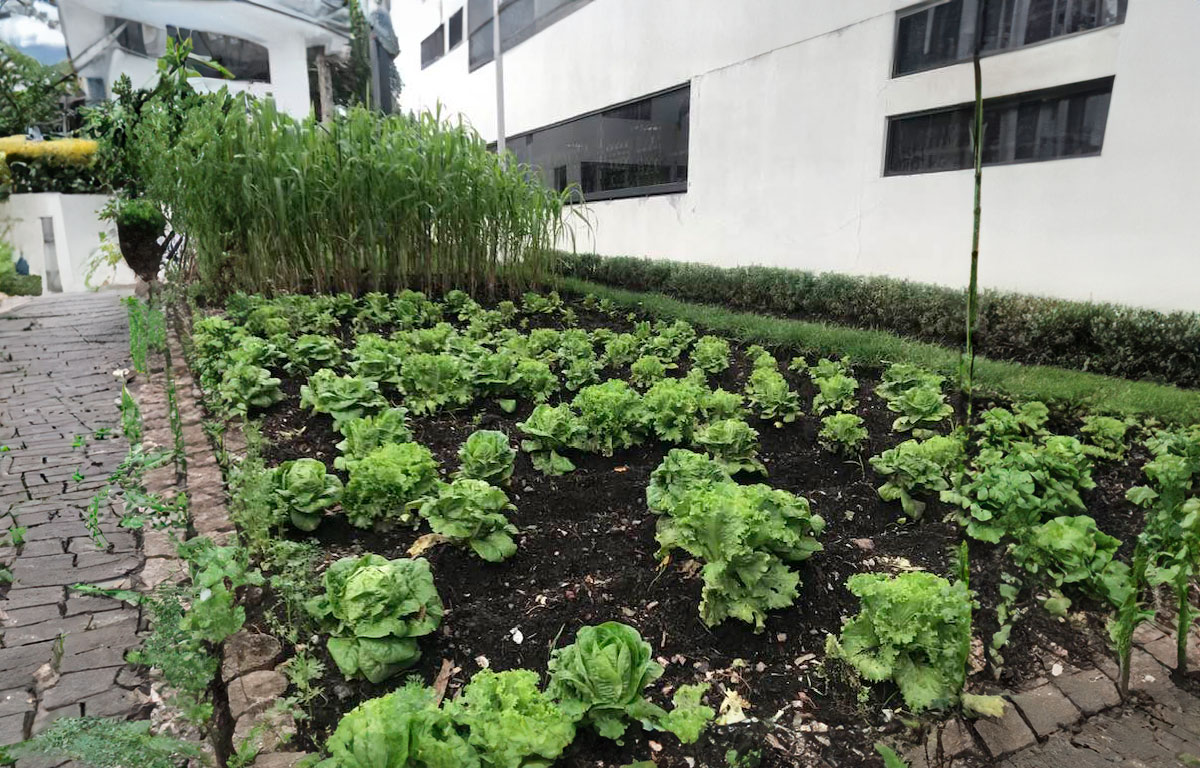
586 554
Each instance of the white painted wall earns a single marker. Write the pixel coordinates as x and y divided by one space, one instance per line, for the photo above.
77 228
788 118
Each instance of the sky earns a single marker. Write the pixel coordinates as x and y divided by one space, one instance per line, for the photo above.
33 37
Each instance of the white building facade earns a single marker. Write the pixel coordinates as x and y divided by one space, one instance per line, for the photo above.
835 136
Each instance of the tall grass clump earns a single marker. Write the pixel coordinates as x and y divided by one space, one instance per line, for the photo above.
366 202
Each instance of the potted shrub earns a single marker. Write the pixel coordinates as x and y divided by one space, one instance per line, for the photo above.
140 224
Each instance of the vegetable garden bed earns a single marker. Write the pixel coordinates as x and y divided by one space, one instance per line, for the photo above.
585 541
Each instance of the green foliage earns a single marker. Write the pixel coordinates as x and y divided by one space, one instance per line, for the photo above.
217 573
535 380
386 481
362 435
901 377
913 629
549 430
834 393
611 415
842 433
1000 427
105 743
186 665
599 679
244 386
679 472
34 92
622 349
305 490
342 397
920 406
474 513
511 723
746 536
311 352
771 397
689 716
890 758
430 382
717 404
374 609
1105 437
671 408
918 466
646 370
670 340
487 455
733 444
711 354
1072 550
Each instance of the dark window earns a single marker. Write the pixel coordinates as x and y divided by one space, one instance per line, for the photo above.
941 33
1041 125
246 60
639 148
519 20
433 47
131 37
454 30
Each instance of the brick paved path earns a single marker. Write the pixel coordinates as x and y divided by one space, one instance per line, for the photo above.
62 654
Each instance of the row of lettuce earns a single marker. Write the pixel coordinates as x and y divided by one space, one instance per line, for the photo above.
370 363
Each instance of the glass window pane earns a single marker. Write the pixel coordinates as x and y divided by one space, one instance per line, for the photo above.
928 38
480 46
433 47
454 31
479 12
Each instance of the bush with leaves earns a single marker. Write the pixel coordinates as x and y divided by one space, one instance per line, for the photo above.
1072 550
305 490
611 415
710 354
430 382
913 629
487 455
770 396
217 573
386 481
342 397
510 722
680 471
374 609
745 536
834 393
549 430
671 408
733 444
842 433
646 370
920 407
311 352
362 435
918 466
474 513
1105 437
244 386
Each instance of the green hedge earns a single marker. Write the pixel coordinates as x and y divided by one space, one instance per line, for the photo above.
1060 388
21 285
1101 338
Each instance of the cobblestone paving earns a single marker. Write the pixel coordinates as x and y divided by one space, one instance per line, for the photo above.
61 653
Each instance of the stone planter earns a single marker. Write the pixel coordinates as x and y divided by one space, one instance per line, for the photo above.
141 249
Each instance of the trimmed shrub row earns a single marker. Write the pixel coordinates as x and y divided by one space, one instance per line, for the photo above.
1101 338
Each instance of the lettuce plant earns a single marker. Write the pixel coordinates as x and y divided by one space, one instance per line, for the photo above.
745 536
670 341
538 304
710 354
312 352
374 609
670 409
720 404
305 490
257 352
733 444
386 481
362 435
543 344
900 377
474 513
622 349
487 455
535 380
913 629
377 358
611 414
244 386
921 406
580 372
828 369
496 372
212 341
834 393
342 397
600 679
646 370
549 430
760 358
1105 437
430 382
1072 550
770 396
511 723
1001 428
679 472
842 433
918 466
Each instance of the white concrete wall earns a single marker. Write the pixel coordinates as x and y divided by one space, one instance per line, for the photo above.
788 119
77 228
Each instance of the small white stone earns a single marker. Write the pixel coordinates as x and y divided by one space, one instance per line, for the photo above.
1056 670
517 636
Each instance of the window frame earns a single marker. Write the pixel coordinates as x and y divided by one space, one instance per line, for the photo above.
461 13
650 190
1061 91
539 24
920 7
439 32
